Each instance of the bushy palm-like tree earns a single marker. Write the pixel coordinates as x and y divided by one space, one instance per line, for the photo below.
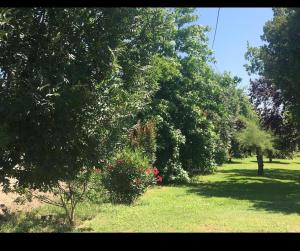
254 138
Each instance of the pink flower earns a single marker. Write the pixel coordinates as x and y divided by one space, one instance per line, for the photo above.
155 171
158 179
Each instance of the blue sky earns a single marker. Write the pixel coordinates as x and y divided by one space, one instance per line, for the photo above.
236 27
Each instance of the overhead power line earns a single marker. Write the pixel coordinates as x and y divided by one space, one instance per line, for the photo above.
216 28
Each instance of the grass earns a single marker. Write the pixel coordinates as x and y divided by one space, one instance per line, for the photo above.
234 199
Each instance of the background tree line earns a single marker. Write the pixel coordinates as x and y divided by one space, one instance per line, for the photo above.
71 91
275 93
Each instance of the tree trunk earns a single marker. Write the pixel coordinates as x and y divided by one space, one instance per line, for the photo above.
270 156
229 155
260 161
72 217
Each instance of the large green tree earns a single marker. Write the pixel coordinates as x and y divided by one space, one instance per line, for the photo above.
279 58
274 115
71 83
71 90
195 109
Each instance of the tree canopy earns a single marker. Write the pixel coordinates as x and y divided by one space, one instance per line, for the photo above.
252 136
278 59
72 90
69 89
275 116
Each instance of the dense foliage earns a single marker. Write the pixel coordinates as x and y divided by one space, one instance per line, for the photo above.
74 92
70 90
278 59
143 136
254 138
195 109
274 115
128 176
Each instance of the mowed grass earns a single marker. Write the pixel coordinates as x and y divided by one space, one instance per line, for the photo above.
234 199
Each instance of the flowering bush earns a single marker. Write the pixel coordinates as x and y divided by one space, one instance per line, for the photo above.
155 172
128 176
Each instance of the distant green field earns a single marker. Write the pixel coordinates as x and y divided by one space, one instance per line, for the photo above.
234 199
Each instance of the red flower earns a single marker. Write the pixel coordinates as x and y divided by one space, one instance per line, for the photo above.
158 179
155 171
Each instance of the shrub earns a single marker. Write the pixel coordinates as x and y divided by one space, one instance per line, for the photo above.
221 156
174 173
96 192
197 155
128 176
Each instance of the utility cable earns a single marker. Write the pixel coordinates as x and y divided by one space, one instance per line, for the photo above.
216 28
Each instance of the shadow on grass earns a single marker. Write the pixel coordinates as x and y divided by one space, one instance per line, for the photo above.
276 191
269 173
273 162
235 162
35 221
31 222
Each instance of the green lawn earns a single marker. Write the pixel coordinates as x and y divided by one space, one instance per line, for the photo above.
234 199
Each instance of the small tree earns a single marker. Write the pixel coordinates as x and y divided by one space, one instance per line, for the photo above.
254 138
65 194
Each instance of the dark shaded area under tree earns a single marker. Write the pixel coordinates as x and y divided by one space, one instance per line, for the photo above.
277 191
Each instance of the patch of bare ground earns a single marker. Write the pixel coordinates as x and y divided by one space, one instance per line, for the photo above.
8 203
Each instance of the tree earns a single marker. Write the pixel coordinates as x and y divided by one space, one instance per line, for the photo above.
243 108
177 106
275 116
278 59
71 84
195 109
65 194
254 138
